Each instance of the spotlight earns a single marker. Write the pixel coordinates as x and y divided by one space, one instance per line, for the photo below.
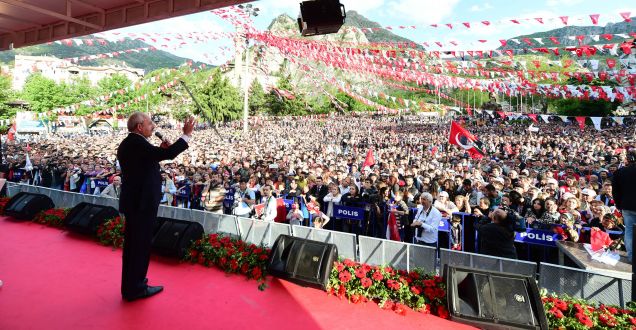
320 17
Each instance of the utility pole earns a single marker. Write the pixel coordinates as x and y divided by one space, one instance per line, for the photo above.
250 11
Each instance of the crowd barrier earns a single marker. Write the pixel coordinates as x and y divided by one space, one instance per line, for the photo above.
557 279
584 284
375 251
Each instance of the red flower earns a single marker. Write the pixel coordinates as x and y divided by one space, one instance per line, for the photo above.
560 304
355 298
366 268
399 309
258 251
345 276
388 305
438 279
416 290
612 310
194 253
556 312
414 275
632 320
429 293
429 283
442 312
607 319
341 291
426 309
360 273
440 293
340 267
377 276
389 270
584 319
245 268
201 259
234 265
263 257
366 282
349 263
222 261
257 273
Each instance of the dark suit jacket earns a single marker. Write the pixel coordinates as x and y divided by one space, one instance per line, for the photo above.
624 188
319 193
496 240
141 179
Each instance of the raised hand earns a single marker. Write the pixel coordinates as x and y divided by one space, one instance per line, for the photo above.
188 126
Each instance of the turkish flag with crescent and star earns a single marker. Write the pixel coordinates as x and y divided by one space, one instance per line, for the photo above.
461 137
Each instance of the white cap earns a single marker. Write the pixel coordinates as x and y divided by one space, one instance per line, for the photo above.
443 193
589 192
553 180
567 196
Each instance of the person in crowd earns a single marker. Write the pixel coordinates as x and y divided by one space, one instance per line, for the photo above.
113 190
535 211
495 237
606 195
244 200
168 189
462 203
319 190
482 209
295 215
624 190
331 199
444 205
550 217
426 221
269 209
213 194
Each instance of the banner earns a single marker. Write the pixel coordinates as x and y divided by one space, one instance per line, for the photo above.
346 212
538 237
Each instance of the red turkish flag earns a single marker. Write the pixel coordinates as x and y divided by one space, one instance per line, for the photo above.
611 62
554 40
564 19
369 160
581 121
533 116
459 136
626 17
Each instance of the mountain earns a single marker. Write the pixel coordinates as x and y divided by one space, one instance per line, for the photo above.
561 33
147 60
383 35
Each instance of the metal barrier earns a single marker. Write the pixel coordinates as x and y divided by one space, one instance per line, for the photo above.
345 242
261 232
556 279
480 261
585 284
375 251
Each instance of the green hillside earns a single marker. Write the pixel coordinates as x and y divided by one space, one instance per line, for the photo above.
147 60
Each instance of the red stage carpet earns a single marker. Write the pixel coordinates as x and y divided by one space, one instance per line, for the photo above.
56 280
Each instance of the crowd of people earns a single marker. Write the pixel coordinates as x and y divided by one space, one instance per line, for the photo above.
557 178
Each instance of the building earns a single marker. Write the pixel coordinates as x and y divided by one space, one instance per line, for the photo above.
61 70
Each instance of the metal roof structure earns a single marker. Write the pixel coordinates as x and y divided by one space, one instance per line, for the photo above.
31 22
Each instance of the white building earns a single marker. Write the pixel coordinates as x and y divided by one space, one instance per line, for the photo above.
64 71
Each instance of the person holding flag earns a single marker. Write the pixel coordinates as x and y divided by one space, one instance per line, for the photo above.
461 137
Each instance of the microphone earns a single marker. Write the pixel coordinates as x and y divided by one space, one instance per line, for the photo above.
159 135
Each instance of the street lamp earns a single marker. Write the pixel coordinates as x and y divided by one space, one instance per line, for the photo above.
250 11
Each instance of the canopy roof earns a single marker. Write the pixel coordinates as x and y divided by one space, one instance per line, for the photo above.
31 22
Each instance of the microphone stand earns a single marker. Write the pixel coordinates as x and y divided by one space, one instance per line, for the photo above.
198 105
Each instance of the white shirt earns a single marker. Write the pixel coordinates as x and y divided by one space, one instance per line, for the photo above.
430 224
331 200
270 210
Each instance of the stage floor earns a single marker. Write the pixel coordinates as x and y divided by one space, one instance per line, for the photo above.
56 280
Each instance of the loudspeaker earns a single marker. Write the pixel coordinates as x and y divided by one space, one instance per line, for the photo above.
172 237
85 218
320 17
492 300
302 261
24 205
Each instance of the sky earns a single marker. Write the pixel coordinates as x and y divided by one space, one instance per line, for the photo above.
419 13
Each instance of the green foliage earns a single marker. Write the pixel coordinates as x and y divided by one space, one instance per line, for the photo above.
44 94
115 83
257 98
280 105
219 99
574 107
6 94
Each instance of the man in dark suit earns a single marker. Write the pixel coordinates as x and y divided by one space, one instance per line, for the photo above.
624 191
319 191
140 196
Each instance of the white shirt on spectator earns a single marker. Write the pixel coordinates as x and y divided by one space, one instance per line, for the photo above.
430 224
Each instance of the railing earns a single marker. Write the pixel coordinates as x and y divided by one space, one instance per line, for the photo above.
557 279
585 284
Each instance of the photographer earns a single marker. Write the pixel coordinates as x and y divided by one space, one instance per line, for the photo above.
496 238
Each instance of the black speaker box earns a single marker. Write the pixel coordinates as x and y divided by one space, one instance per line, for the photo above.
172 237
321 17
85 218
302 261
492 300
24 205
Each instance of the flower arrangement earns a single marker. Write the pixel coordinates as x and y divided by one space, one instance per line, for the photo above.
3 203
231 255
111 232
52 217
391 289
569 313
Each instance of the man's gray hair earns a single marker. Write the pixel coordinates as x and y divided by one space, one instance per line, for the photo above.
135 119
427 196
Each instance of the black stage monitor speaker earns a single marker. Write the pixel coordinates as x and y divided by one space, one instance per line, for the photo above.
320 17
173 237
85 218
491 300
24 205
302 261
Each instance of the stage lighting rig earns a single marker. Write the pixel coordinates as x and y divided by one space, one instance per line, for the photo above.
320 17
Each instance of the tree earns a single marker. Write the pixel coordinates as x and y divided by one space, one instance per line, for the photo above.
285 105
43 94
6 94
257 98
220 101
116 83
